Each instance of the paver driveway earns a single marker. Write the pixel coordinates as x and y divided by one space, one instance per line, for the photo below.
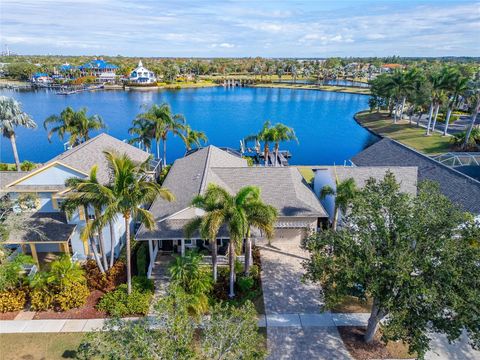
285 293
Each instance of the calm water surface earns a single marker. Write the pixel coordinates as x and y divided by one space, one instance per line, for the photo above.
323 121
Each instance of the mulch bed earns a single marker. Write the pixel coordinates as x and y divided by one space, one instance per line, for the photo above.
353 340
87 311
8 315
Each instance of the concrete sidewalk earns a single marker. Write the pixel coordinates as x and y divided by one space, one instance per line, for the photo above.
273 320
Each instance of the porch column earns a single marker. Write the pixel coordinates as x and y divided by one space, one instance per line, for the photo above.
33 249
66 250
150 250
182 246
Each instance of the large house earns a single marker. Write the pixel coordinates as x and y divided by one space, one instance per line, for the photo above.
141 75
101 69
300 211
47 228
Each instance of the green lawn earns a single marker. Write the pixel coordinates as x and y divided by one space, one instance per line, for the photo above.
38 346
307 173
405 133
342 89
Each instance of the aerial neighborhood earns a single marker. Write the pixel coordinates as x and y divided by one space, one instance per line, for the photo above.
172 195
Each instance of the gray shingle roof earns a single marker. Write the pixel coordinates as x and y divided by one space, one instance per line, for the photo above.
405 175
41 227
282 187
7 177
173 229
89 153
460 188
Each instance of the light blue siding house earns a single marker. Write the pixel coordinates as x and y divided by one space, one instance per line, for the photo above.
57 232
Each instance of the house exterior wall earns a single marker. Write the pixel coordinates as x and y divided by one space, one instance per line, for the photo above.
54 175
323 178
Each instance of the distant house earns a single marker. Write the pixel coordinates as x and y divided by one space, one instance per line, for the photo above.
101 69
41 78
390 67
330 175
460 188
300 211
59 233
141 75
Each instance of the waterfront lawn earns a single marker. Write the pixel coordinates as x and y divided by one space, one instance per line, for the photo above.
187 84
34 346
405 133
342 89
307 173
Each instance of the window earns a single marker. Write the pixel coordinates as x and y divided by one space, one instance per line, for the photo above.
188 242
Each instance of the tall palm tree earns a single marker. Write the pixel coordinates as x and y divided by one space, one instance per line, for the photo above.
89 192
76 123
344 193
237 213
130 188
473 95
456 86
163 123
437 85
267 136
11 116
193 138
281 133
400 83
144 133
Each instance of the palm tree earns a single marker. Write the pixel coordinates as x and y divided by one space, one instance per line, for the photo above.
11 116
143 131
474 97
281 133
76 123
344 193
89 192
400 83
130 188
163 123
266 135
237 213
193 138
457 85
437 83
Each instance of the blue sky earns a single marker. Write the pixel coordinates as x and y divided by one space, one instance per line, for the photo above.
315 28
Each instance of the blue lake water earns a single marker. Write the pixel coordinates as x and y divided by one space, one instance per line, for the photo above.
323 121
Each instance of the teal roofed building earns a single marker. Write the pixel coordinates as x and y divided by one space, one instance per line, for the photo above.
101 69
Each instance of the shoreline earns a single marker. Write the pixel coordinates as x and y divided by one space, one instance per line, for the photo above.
329 88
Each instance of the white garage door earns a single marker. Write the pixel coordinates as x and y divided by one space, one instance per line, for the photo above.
289 237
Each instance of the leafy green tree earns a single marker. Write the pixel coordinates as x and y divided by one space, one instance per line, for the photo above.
11 269
413 256
12 116
75 123
232 333
20 70
344 193
129 189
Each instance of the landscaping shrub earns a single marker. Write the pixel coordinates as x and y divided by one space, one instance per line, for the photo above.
3 167
72 297
119 303
254 271
245 283
27 165
142 260
143 284
42 299
115 276
12 300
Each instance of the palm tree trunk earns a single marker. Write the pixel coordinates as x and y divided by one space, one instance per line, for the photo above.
373 322
395 112
95 254
214 260
112 243
165 152
435 118
231 260
14 150
126 216
265 153
432 105
419 118
447 120
402 107
472 124
277 145
158 148
248 253
336 215
101 242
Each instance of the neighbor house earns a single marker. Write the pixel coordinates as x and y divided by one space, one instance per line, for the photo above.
141 75
406 176
48 229
458 187
102 70
300 211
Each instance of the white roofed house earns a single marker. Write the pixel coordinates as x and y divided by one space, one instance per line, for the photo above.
59 233
141 75
300 211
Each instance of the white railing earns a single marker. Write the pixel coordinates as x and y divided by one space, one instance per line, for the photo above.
222 259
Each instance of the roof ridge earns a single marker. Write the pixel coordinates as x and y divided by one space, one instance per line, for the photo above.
205 170
74 149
